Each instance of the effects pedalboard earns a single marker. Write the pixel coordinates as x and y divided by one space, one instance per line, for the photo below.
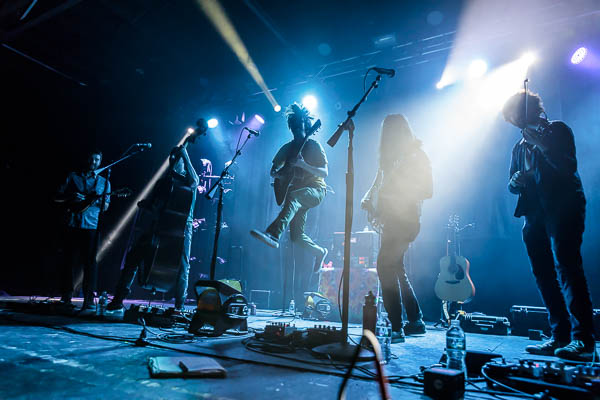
159 317
558 379
286 333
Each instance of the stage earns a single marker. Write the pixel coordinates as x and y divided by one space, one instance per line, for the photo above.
89 357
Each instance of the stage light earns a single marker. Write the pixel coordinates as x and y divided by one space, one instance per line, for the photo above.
310 102
528 58
259 118
190 130
579 55
277 108
212 123
477 69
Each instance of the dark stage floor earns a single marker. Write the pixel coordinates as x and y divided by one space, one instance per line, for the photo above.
54 356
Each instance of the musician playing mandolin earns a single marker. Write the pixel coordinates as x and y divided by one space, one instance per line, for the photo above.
181 172
394 201
543 172
307 188
82 228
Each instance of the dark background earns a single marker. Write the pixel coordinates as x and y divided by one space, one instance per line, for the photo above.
78 75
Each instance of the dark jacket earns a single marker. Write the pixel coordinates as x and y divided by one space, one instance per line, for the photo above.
552 183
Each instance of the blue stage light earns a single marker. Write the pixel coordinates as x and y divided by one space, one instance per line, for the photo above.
213 122
259 118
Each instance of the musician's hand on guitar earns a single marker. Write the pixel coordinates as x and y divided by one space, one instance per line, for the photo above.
299 162
366 204
78 197
518 180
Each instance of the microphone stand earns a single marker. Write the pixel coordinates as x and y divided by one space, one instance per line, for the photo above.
210 195
343 350
97 172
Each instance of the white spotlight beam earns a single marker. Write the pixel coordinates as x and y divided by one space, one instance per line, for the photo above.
216 15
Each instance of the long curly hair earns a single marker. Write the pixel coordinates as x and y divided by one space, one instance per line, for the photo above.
396 139
514 108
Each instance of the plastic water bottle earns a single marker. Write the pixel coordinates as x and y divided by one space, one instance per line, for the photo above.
292 308
102 301
383 332
456 346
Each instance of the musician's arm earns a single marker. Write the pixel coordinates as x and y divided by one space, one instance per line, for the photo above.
279 161
317 171
316 154
192 176
376 182
107 202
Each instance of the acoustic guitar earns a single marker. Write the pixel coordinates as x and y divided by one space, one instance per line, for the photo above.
453 282
286 175
90 198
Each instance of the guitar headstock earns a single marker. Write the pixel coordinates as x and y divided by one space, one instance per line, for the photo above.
313 129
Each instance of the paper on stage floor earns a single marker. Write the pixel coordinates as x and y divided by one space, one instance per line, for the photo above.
185 367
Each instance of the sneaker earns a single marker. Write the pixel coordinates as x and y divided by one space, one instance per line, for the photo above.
578 351
398 336
265 237
545 349
115 305
320 259
415 328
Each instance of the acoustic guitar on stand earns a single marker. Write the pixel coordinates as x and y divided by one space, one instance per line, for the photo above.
453 282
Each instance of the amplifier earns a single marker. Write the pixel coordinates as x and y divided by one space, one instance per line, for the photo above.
524 318
481 323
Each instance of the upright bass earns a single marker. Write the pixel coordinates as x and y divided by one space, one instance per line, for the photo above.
162 263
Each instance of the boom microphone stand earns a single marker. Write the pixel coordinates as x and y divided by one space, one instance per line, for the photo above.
136 150
210 195
343 350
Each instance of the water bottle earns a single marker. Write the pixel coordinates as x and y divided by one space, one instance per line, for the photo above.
383 332
456 346
292 308
369 312
102 301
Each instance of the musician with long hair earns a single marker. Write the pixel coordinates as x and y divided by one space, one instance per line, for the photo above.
394 201
543 173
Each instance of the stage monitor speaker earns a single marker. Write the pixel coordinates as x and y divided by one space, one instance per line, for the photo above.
221 305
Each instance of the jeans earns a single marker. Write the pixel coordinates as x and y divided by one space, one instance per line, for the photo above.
554 248
79 251
397 292
137 255
293 213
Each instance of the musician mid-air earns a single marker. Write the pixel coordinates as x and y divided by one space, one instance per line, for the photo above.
393 202
299 169
164 249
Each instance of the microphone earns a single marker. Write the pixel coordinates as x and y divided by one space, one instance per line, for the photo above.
385 71
252 131
143 145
